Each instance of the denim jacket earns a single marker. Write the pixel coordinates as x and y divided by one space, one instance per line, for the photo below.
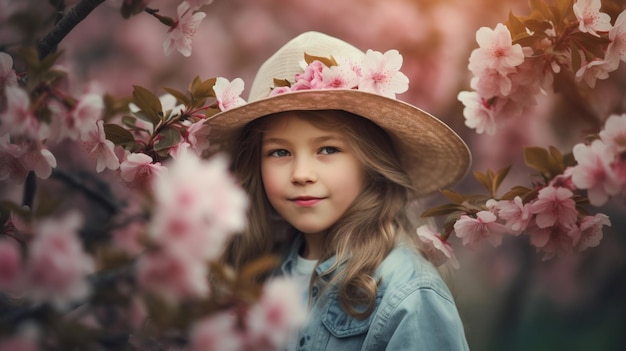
414 310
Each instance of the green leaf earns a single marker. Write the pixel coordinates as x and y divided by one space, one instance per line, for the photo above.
542 8
328 61
180 96
168 137
515 26
443 210
118 135
538 159
498 178
453 196
483 179
516 191
148 103
203 89
537 26
281 83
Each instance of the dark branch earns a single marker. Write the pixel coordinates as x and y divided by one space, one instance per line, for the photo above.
48 44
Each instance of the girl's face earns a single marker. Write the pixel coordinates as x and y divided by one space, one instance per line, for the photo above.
310 175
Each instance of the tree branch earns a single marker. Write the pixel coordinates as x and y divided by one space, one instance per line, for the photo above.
48 44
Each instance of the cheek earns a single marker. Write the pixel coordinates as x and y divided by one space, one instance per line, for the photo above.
271 182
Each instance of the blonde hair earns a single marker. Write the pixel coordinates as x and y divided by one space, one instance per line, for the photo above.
365 234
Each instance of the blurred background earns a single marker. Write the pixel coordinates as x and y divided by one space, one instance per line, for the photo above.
508 297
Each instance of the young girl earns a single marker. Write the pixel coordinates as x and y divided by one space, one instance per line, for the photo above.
331 161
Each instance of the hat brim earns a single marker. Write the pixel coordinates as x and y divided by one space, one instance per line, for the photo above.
435 157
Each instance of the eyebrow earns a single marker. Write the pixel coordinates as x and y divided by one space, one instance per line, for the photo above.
321 139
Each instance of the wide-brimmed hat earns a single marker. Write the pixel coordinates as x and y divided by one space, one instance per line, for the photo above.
433 155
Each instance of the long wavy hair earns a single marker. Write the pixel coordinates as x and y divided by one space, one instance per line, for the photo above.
365 234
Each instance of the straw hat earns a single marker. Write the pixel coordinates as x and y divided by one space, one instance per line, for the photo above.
434 156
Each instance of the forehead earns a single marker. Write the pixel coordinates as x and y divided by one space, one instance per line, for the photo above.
294 123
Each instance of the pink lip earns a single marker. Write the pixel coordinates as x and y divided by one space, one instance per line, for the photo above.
306 201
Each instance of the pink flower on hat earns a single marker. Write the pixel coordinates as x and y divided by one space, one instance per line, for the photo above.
381 73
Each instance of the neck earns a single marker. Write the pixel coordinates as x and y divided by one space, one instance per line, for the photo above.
313 244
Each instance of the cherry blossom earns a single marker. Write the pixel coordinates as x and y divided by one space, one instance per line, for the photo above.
10 265
97 144
217 332
197 135
57 266
277 314
197 4
18 119
614 133
183 30
515 213
228 93
483 227
591 230
83 115
496 51
592 171
35 157
10 165
7 73
380 73
478 113
591 20
311 78
593 70
616 51
437 249
198 206
339 77
553 207
138 170
173 275
19 342
553 240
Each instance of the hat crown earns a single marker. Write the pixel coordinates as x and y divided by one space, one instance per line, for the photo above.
286 62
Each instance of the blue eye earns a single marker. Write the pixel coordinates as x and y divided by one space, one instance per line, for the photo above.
328 150
279 153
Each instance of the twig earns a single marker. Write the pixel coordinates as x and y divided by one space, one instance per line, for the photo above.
48 44
104 201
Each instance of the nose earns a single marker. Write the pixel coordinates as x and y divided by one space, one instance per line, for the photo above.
303 171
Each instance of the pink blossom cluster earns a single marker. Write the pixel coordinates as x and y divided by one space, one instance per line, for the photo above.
54 268
376 73
601 165
267 325
508 77
197 206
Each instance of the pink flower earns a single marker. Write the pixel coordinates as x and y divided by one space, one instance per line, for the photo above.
21 342
35 157
198 206
96 143
7 73
478 113
595 69
228 93
380 73
197 4
591 20
278 313
18 119
554 240
614 133
496 51
483 227
57 266
197 135
515 213
437 249
218 332
339 77
311 78
592 172
138 169
183 30
173 275
83 116
616 51
10 265
591 230
10 165
554 206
